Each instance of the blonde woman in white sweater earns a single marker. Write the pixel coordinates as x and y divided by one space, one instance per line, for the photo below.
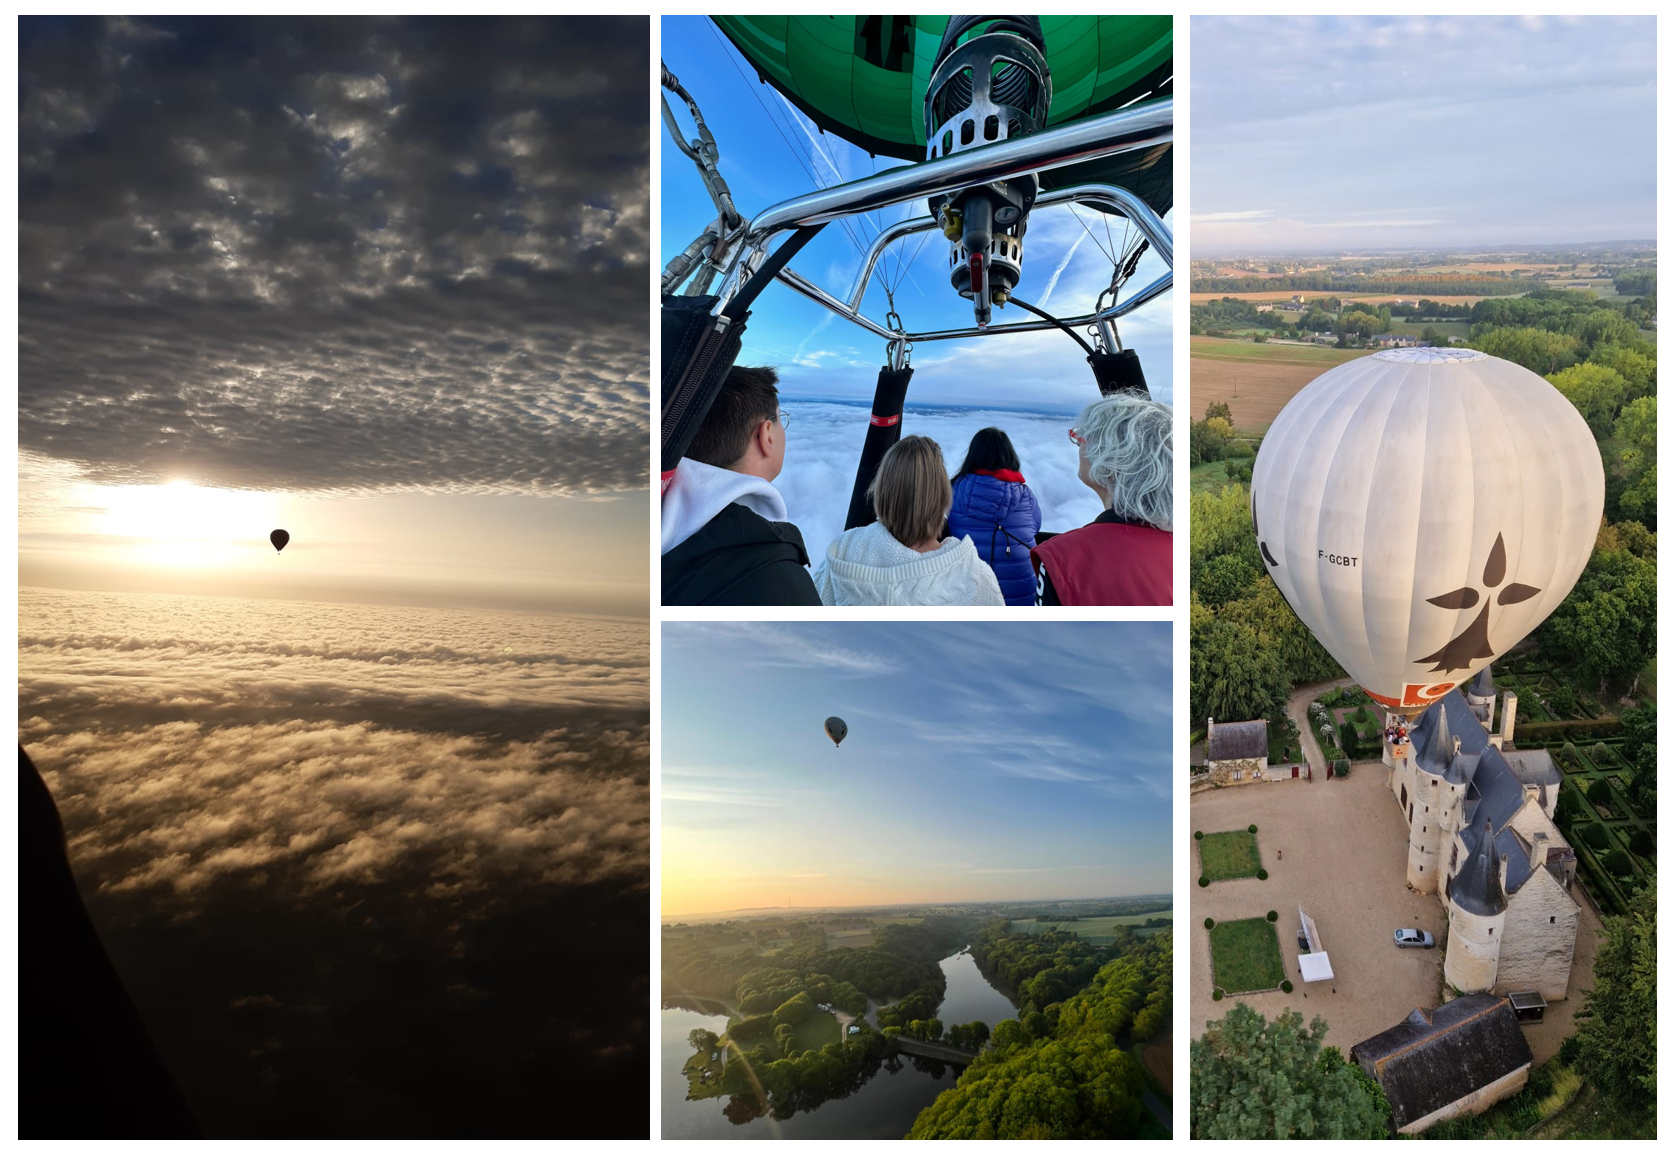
902 559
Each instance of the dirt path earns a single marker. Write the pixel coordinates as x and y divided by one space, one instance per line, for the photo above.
1297 709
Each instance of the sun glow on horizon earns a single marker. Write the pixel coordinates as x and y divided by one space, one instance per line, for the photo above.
183 524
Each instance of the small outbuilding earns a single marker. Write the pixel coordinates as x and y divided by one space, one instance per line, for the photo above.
1458 1059
1236 752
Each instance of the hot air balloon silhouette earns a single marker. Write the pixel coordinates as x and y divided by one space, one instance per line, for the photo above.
1424 509
279 537
837 730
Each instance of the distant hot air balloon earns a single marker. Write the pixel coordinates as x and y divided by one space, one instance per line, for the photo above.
1424 509
279 537
837 730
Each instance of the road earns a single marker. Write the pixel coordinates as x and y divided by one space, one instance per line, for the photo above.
1158 1110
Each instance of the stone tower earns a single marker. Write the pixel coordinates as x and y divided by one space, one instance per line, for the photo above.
1476 917
1433 753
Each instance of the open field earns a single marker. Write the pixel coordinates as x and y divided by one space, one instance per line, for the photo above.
1245 955
1369 298
1095 930
1209 477
850 938
1229 854
1406 328
1256 380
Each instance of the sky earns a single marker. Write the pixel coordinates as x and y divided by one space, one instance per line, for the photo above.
771 153
1314 134
379 282
984 761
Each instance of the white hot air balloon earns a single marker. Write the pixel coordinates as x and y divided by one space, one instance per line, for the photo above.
1424 509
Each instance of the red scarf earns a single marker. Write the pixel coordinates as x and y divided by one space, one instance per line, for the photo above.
1002 474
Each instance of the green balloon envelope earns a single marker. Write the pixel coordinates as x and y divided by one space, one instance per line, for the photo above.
863 78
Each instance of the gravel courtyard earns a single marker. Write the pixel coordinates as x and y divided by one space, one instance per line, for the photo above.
1339 849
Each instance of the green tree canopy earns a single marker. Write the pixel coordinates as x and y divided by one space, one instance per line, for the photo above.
1235 675
1618 1049
1637 365
1597 393
1607 627
1535 349
1252 1079
1637 435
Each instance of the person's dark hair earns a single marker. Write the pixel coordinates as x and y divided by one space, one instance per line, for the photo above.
748 397
990 449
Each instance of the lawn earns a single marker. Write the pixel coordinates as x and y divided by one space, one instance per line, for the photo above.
1229 854
1245 956
816 1031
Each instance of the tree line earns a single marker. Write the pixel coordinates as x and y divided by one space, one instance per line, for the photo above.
1065 1070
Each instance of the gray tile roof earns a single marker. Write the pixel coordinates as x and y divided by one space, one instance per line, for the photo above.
1482 684
1476 889
1230 740
1532 767
1494 784
1434 1058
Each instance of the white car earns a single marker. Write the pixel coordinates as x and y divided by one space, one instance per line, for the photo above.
1410 937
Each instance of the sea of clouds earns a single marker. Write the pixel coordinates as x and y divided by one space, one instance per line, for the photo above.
312 834
823 445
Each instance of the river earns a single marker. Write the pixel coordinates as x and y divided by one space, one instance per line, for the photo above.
885 1106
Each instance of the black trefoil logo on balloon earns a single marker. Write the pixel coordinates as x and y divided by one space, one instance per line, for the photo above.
1473 642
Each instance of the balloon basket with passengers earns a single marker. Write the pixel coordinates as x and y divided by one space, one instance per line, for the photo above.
1004 117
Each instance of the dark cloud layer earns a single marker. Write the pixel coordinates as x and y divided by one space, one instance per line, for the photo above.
367 871
336 254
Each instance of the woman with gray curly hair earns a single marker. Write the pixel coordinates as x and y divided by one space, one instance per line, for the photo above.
1125 556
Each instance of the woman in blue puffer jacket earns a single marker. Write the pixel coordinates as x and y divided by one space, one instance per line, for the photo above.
995 509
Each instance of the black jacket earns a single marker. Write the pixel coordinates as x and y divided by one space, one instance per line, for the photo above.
739 558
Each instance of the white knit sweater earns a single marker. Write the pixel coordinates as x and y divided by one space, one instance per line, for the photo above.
868 567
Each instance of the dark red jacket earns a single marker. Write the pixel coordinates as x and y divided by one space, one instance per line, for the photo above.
1108 563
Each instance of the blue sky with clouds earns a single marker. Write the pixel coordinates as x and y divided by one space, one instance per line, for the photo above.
771 153
984 761
1321 133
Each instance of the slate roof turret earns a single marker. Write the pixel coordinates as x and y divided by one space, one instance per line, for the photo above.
1477 888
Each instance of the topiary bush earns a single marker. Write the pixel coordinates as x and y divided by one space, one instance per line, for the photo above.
1641 842
1594 835
1203 880
1209 924
1251 829
1262 875
1599 792
1341 767
1198 835
1601 754
1273 916
1618 863
1216 994
1287 987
